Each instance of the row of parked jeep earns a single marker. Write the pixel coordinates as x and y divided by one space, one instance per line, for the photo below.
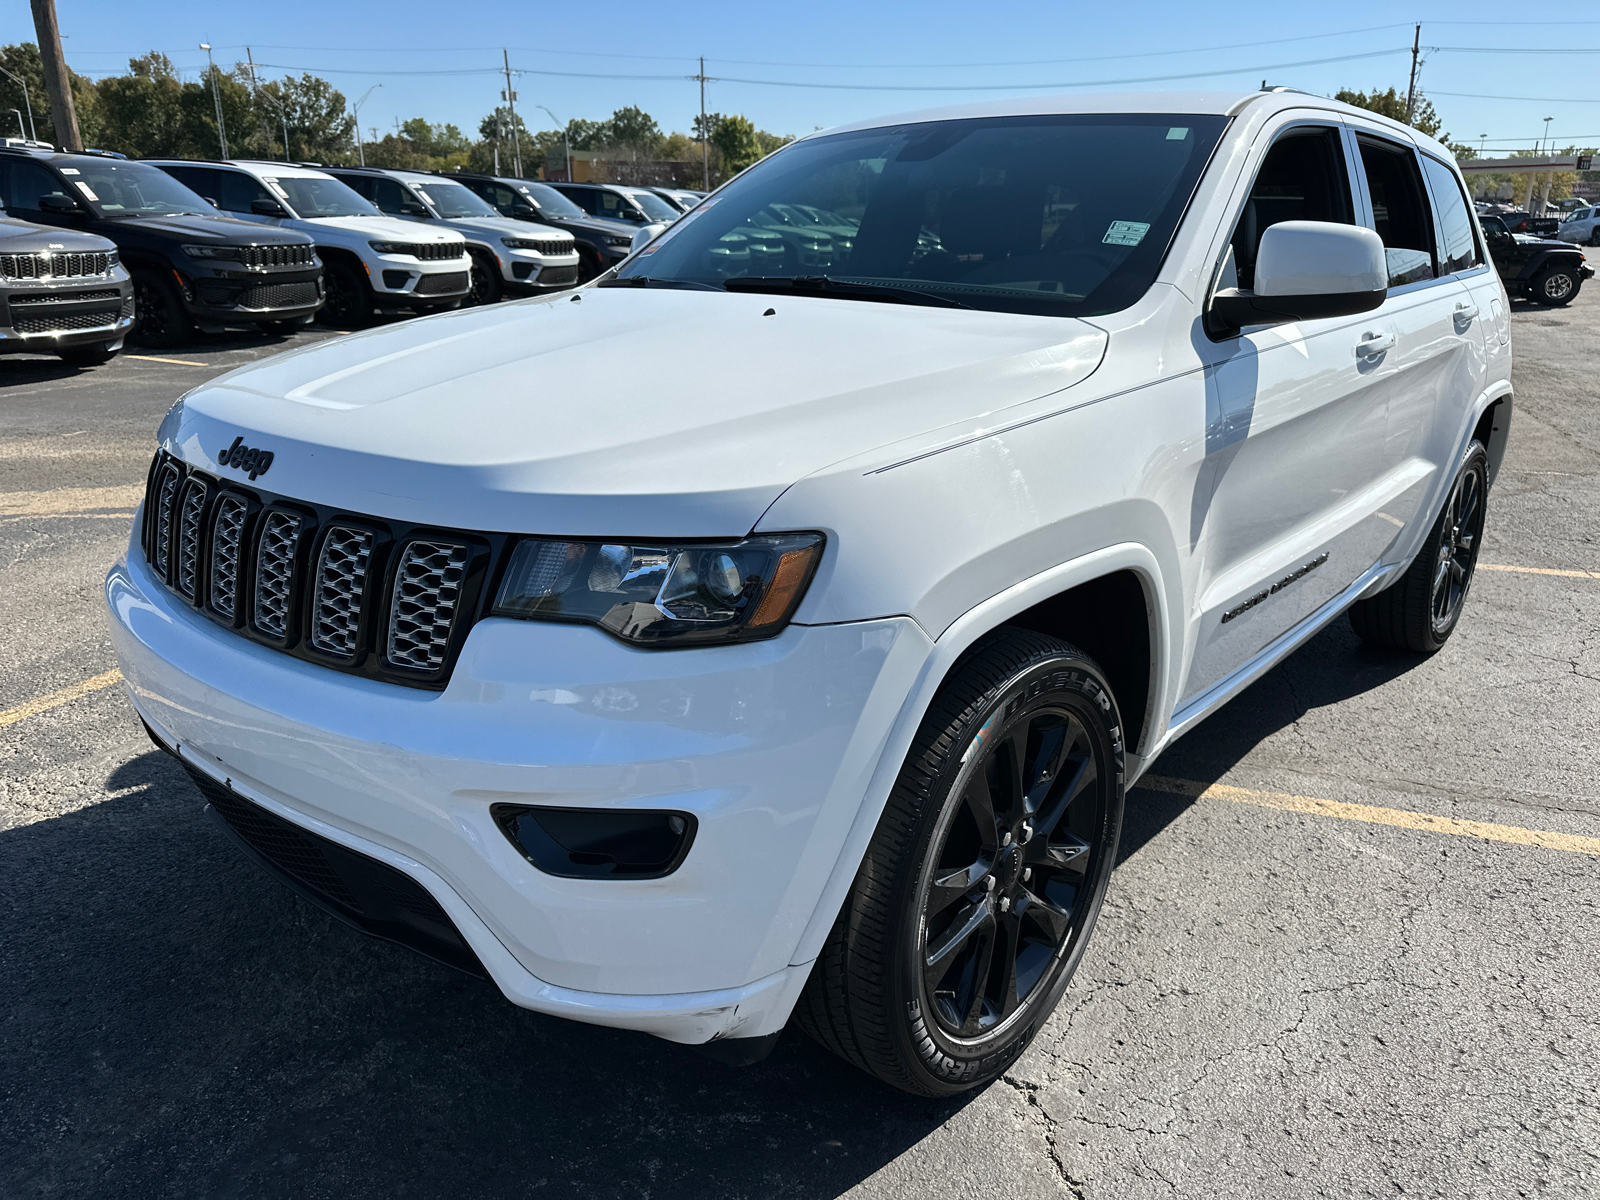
95 248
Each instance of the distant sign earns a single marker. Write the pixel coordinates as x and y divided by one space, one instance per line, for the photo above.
1584 160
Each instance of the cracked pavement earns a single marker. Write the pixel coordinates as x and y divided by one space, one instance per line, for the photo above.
1273 1005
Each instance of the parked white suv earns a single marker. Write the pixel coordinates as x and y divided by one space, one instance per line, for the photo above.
810 681
1581 225
370 261
508 255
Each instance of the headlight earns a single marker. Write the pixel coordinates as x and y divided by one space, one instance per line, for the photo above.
212 251
613 240
391 247
113 259
662 594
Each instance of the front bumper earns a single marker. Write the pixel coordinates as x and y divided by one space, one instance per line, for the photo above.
223 296
771 745
400 282
40 318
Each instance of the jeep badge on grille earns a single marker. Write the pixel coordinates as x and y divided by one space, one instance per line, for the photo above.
245 459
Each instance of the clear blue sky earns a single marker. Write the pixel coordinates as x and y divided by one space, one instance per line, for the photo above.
945 51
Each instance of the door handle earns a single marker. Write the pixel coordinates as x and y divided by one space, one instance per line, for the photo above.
1374 344
1467 312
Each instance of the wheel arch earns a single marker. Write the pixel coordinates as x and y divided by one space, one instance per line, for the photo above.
1493 429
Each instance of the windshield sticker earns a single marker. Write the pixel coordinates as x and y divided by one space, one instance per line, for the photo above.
1177 133
1126 233
276 186
426 199
70 171
87 190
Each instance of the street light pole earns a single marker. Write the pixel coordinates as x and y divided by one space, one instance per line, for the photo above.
216 96
1547 121
361 152
566 136
26 102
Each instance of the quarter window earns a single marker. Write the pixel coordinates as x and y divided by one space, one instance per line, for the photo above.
1460 249
1399 211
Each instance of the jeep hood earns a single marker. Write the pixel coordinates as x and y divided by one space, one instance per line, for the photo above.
618 411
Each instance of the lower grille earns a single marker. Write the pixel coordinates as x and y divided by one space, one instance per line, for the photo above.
442 285
227 537
56 323
280 539
366 893
279 295
61 297
427 587
559 275
341 582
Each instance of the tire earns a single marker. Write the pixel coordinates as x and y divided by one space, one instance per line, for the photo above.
1554 286
347 301
159 318
1594 236
88 356
1420 610
908 986
487 287
589 264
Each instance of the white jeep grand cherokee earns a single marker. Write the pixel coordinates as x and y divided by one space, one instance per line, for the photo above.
809 682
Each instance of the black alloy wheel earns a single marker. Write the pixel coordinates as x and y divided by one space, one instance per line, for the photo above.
981 885
589 264
347 304
159 318
1555 285
486 285
1420 610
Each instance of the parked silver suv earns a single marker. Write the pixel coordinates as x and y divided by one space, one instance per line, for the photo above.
62 293
508 256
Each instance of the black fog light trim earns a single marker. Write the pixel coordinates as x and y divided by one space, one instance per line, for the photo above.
523 269
598 843
395 280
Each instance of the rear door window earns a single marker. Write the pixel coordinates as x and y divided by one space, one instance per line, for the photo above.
1303 178
239 191
1399 210
200 180
1460 249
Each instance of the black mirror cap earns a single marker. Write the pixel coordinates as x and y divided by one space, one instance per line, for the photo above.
58 204
1234 308
266 208
598 843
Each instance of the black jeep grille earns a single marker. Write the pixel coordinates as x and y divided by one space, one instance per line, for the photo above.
54 266
431 251
266 257
380 598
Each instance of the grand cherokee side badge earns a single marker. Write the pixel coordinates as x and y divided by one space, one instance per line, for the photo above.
245 459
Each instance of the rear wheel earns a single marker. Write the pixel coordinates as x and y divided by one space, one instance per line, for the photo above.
486 284
159 318
979 889
1420 610
1555 285
347 302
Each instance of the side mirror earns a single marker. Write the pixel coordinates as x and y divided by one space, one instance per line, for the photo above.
1305 271
267 208
525 212
58 204
643 237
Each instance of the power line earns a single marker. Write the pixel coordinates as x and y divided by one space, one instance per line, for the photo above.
1531 99
1516 49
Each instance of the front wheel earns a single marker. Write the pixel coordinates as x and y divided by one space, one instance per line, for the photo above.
486 284
979 889
1555 285
347 303
589 264
1420 610
159 318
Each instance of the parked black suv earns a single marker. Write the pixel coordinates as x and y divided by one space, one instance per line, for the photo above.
190 264
62 293
602 244
1548 273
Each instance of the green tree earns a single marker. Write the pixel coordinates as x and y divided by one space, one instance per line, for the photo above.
1392 104
320 128
22 59
632 129
737 144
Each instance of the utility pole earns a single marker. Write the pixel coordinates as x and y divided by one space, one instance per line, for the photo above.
1411 90
705 134
511 101
57 79
27 101
283 114
216 96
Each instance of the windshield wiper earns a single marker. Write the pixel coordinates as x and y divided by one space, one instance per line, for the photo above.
822 285
646 281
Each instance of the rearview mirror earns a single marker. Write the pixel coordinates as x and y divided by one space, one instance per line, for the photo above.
267 208
643 237
1305 271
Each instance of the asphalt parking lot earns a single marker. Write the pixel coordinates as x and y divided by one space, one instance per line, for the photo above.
1312 977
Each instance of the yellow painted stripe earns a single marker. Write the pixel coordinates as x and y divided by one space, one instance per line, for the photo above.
56 699
177 362
1373 815
59 501
1540 571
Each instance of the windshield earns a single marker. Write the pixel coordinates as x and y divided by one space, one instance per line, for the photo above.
1061 215
123 189
320 196
654 206
549 201
453 200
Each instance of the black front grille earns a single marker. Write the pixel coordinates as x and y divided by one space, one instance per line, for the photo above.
50 265
385 599
64 323
65 297
436 251
550 246
442 285
559 275
260 258
279 295
366 893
